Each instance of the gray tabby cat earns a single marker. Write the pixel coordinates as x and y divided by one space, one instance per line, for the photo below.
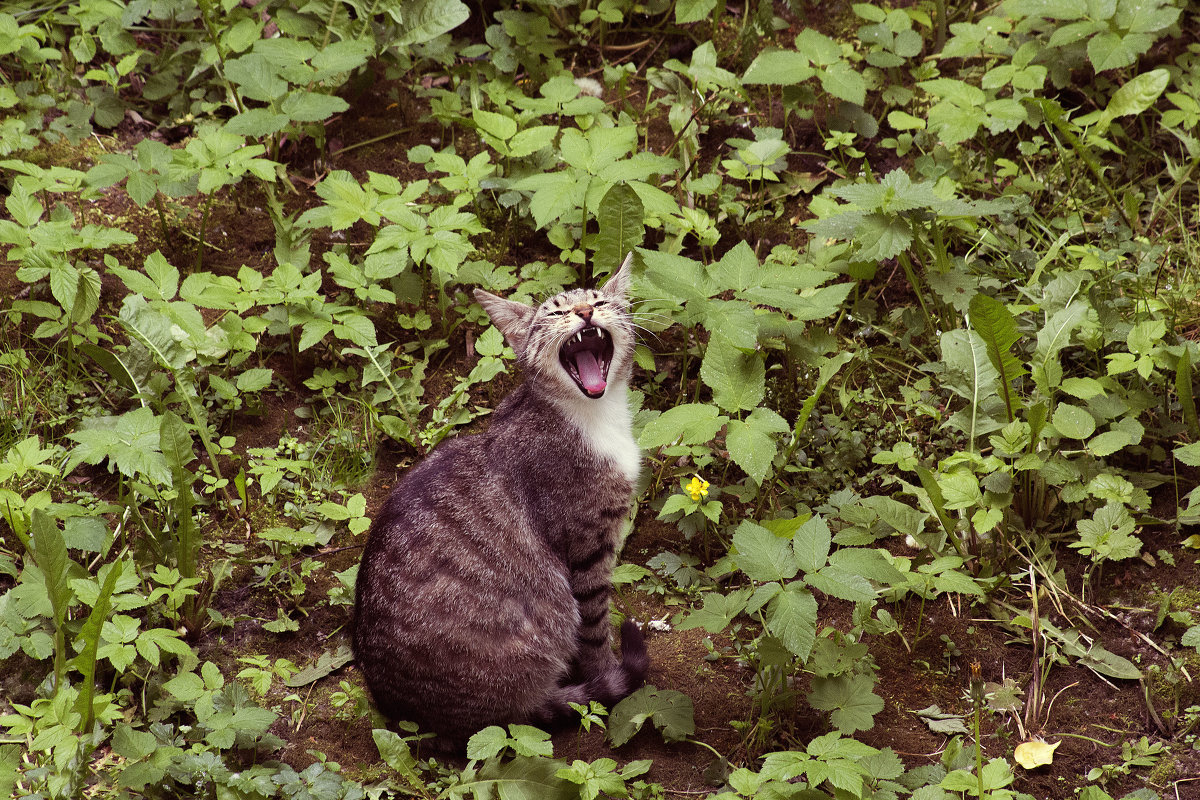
483 594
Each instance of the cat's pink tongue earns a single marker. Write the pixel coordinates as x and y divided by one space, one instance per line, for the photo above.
589 372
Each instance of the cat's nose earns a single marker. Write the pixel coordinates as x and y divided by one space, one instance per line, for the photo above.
584 310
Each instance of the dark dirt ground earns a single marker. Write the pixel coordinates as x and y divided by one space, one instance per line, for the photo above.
1090 716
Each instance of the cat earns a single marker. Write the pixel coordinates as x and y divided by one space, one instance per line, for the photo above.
483 592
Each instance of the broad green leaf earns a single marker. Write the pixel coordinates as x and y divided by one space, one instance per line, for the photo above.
839 583
762 555
670 711
998 330
779 68
851 699
811 543
1188 454
692 423
425 20
130 442
1073 422
718 611
792 617
303 106
737 379
750 443
621 227
844 82
693 10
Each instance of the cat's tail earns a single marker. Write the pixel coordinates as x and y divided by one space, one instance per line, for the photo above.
609 686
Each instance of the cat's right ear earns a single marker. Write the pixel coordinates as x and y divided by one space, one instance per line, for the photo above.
511 317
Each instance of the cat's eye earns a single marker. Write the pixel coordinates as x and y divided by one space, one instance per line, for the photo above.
598 303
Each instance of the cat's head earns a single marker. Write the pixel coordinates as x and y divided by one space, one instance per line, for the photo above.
580 340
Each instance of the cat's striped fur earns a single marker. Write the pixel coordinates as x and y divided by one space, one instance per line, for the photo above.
483 594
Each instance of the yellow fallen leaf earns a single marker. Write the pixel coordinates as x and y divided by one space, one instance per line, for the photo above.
1034 753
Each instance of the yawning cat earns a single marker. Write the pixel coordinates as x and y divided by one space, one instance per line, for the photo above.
483 594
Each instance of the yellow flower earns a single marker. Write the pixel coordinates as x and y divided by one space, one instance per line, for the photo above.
697 488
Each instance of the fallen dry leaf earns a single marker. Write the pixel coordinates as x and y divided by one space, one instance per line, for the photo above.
1034 753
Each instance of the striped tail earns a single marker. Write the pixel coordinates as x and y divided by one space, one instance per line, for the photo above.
609 687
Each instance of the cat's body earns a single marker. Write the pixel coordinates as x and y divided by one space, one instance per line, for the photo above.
483 593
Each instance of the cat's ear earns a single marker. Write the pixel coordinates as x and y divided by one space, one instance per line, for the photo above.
511 317
618 285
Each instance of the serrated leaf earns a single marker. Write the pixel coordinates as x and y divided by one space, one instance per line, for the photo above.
792 618
851 699
737 378
670 711
762 555
750 443
691 423
997 328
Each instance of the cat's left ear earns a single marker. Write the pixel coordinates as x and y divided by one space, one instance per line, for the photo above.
618 285
511 317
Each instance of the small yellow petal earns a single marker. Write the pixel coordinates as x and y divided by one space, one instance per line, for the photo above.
1035 753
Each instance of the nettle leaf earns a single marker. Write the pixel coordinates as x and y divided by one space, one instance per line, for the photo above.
750 443
882 236
762 555
670 711
692 423
792 618
1189 454
737 378
844 82
425 20
851 699
811 543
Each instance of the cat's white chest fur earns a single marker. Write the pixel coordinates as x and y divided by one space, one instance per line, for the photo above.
607 427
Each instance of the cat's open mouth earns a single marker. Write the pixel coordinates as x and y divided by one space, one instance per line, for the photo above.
586 357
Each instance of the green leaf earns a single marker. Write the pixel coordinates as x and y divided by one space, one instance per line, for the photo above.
998 329
811 543
50 555
845 83
1188 454
621 227
425 20
669 710
792 617
738 379
779 68
1108 535
22 206
693 10
691 423
130 442
762 555
1183 389
851 699
719 610
1073 421
750 443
